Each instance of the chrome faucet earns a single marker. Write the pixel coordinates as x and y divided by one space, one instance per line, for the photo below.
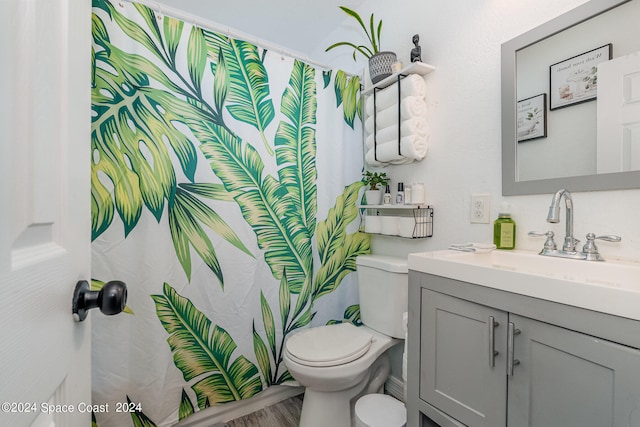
554 217
589 251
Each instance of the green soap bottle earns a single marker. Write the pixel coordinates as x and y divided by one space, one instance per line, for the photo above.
504 229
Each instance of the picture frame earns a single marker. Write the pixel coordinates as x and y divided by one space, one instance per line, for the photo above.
532 118
575 80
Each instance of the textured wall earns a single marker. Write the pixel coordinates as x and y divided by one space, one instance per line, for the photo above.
462 39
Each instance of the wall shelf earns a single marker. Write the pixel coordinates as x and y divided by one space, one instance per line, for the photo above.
411 222
413 68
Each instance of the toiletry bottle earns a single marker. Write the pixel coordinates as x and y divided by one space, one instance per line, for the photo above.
386 199
400 194
504 229
407 195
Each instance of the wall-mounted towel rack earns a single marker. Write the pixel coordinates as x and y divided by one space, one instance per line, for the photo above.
414 68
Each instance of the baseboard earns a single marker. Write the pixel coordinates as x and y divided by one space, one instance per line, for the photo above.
395 387
230 411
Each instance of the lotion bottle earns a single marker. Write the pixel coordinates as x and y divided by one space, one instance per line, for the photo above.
386 199
400 194
504 229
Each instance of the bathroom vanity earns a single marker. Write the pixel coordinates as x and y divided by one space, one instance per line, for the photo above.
511 338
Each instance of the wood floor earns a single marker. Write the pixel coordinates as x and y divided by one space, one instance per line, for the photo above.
282 414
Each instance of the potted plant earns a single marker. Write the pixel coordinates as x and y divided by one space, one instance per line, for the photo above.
379 61
373 180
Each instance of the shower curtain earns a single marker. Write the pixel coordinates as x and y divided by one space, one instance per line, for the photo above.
225 181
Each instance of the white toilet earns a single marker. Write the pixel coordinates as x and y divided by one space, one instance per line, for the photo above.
339 363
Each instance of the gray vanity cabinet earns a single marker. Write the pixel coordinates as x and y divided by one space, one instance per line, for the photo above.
570 379
481 357
460 373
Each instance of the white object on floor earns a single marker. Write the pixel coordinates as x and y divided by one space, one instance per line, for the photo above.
380 410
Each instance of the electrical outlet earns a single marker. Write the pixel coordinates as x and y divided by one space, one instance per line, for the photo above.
480 208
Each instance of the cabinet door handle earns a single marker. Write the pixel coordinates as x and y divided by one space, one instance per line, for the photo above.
511 362
492 341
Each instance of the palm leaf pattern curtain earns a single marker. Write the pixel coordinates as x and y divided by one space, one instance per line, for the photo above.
224 188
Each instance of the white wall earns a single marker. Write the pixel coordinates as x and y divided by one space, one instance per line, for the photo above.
462 40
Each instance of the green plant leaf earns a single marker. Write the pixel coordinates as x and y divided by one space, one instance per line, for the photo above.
186 407
140 419
209 190
284 297
339 85
341 263
326 78
295 143
248 94
150 19
264 203
262 356
196 56
284 377
134 30
346 89
203 352
184 216
351 315
337 250
303 321
332 232
351 97
172 33
220 81
268 321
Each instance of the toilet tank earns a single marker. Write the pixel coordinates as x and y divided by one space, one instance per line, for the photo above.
383 284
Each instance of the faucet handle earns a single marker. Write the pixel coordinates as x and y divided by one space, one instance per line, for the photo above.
549 244
590 247
606 237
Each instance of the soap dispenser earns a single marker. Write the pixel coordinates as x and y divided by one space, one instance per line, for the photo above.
504 229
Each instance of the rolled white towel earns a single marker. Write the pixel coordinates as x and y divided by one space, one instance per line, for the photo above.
410 107
412 85
411 147
413 126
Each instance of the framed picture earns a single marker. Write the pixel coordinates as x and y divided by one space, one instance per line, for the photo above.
532 118
575 80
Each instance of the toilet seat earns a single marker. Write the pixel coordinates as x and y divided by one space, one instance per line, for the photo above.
329 345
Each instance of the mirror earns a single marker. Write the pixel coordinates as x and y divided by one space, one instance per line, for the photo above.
550 87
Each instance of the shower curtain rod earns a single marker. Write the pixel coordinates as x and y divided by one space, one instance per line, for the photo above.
209 25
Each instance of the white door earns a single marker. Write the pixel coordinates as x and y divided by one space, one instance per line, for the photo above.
45 78
619 114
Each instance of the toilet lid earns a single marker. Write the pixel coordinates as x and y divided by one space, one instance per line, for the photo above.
329 345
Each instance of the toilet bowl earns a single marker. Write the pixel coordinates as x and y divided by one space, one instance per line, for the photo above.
339 363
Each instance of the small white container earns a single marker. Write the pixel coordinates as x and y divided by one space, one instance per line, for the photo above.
417 194
389 225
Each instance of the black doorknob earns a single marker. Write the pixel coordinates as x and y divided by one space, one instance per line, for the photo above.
111 299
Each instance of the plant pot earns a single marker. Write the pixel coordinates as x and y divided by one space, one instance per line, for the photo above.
380 65
373 196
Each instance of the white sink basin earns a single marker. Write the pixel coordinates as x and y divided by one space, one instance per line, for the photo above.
611 287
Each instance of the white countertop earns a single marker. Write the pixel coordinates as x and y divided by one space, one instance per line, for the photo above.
611 287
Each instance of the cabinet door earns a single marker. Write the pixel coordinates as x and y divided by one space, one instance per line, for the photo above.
569 379
459 375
